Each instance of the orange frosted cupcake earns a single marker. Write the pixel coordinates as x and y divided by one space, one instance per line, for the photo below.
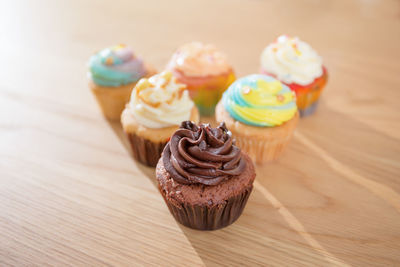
113 72
298 65
205 71
157 107
262 115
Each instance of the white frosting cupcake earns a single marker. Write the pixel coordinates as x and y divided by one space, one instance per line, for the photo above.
160 102
291 61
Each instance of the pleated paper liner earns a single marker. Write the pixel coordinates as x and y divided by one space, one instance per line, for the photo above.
206 91
307 101
112 100
270 145
203 217
144 150
307 96
262 144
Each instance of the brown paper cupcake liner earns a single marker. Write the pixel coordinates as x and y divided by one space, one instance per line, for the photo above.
269 146
144 150
208 217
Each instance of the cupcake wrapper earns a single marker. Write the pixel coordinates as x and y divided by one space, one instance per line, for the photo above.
309 110
112 101
206 96
144 150
208 91
209 218
307 101
270 145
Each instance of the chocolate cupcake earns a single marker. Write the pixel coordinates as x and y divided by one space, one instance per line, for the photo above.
204 178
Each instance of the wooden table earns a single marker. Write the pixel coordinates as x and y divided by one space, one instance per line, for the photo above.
70 194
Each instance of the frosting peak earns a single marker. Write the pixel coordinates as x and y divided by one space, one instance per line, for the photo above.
160 101
197 59
260 100
115 66
291 61
202 155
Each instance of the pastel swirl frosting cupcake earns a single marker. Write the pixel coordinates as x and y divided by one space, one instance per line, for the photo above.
113 72
261 113
298 65
260 100
197 59
157 107
116 66
204 177
205 71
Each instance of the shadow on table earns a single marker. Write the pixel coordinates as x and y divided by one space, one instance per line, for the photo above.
148 171
305 216
299 215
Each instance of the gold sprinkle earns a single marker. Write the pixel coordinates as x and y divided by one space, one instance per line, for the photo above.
109 61
296 50
167 75
142 84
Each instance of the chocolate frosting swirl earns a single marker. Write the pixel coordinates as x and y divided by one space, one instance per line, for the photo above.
203 155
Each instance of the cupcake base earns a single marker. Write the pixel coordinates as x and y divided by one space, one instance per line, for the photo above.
309 110
206 91
144 150
112 100
209 218
307 99
206 207
262 144
148 143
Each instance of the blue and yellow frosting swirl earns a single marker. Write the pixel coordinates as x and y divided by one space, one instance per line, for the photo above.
260 100
115 66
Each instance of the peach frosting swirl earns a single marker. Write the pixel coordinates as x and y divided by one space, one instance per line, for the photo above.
197 59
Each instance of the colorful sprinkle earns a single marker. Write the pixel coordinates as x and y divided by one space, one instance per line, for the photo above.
246 90
280 98
296 50
118 47
109 61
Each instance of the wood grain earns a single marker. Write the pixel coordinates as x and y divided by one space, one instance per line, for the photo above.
71 195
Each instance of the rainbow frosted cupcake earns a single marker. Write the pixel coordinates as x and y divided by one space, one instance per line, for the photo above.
155 111
298 65
113 72
261 113
205 71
